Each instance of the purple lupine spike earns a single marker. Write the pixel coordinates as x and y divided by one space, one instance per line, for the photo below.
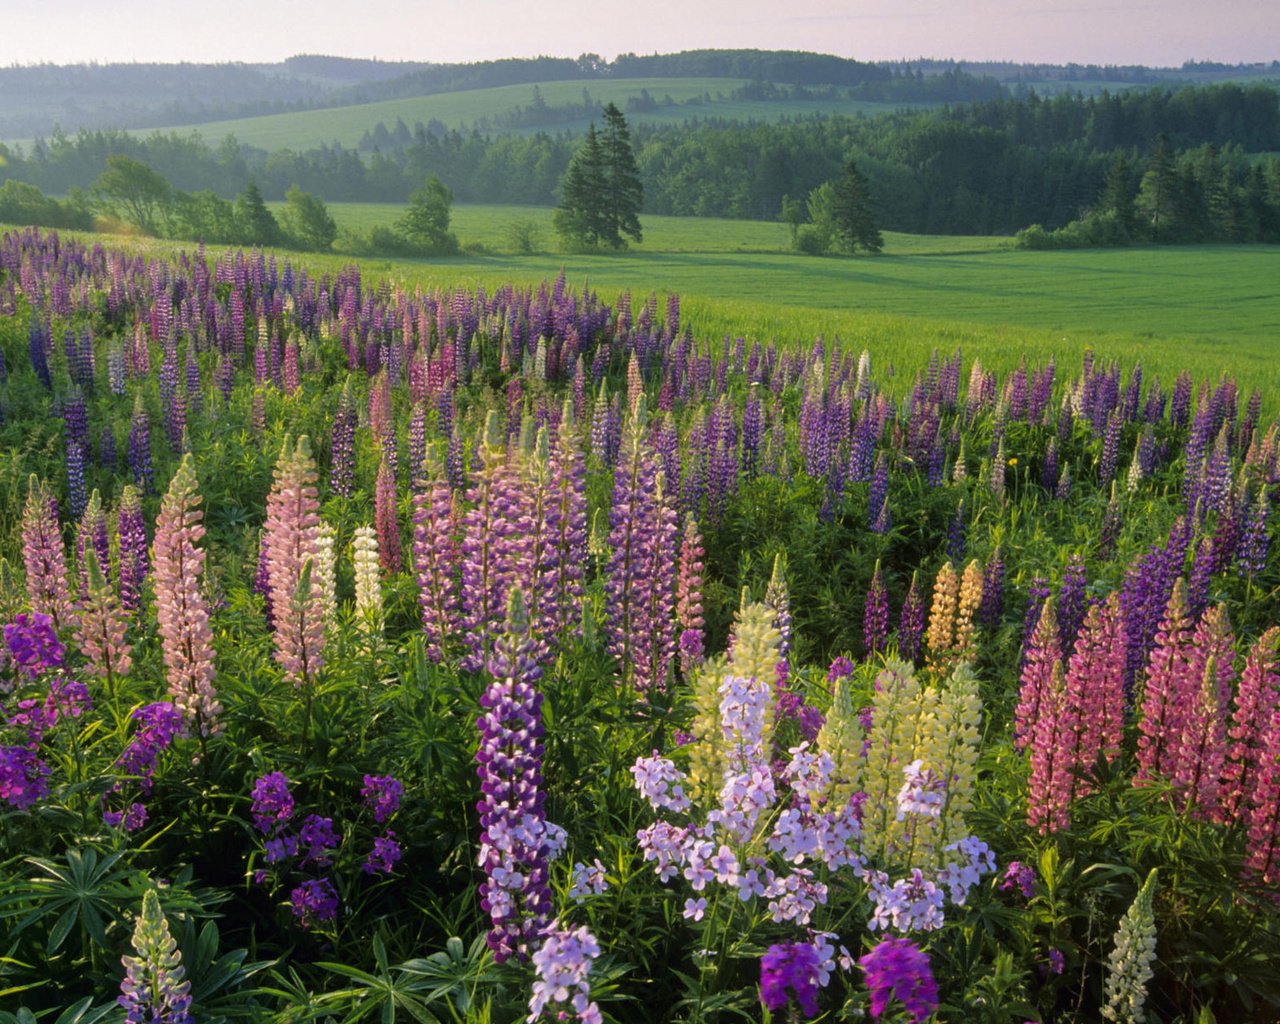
38 349
875 614
911 622
1203 566
493 538
956 533
140 449
108 456
631 518
417 443
134 560
516 841
262 580
1049 470
1109 533
76 497
992 605
342 466
655 642
568 486
878 503
1110 449
1251 549
1037 593
1073 603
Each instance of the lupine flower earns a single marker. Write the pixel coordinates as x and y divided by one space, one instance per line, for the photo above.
140 448
689 580
1095 684
291 537
992 606
515 842
1072 603
1257 702
101 626
787 970
1054 741
1167 691
135 562
911 622
385 518
44 556
182 610
777 596
325 570
342 449
875 614
1129 965
154 990
897 971
563 966
367 579
1043 654
942 618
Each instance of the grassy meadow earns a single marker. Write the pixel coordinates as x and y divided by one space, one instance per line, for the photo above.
1208 307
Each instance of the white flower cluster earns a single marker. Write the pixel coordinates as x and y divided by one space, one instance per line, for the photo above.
1129 967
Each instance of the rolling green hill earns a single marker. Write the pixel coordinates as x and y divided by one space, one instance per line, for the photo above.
676 99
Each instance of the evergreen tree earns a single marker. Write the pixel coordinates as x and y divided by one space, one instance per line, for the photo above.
581 218
1117 192
622 178
254 222
1158 196
852 213
601 193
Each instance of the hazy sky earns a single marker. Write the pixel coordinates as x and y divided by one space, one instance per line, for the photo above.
1154 32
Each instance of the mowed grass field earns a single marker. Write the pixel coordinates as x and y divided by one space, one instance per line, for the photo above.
309 128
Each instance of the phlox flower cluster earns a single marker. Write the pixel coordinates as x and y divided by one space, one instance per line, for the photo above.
588 880
790 969
563 965
923 792
898 971
33 644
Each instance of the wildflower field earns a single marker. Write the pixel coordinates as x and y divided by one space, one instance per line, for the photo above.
521 653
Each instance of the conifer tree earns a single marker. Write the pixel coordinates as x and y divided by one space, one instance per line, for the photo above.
852 212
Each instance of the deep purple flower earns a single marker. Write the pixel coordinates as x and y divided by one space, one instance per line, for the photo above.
314 900
158 724
384 855
382 794
794 967
319 838
280 849
841 668
272 802
23 777
34 645
131 820
1020 876
897 970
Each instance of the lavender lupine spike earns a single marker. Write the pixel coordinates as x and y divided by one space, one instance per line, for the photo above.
630 519
435 554
568 484
875 615
100 627
778 597
1251 549
182 611
878 506
516 842
92 533
992 606
135 563
140 448
291 538
655 642
342 449
154 990
44 556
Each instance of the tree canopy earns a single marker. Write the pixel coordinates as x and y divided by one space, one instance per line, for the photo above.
601 193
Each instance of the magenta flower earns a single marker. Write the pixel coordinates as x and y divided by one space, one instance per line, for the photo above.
790 969
898 971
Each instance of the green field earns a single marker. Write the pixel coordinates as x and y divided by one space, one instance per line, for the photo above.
1208 309
310 128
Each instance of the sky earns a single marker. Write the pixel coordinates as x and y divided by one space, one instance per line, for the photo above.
1151 32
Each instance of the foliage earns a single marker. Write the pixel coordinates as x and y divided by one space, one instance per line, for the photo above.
308 220
601 194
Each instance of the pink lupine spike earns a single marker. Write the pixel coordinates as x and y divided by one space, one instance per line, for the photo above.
45 557
1257 701
1164 695
1095 683
1045 652
292 543
182 612
386 520
101 625
435 555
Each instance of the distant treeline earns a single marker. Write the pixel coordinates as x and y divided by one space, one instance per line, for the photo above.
986 168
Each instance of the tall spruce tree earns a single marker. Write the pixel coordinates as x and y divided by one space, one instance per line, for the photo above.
601 192
622 175
852 212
